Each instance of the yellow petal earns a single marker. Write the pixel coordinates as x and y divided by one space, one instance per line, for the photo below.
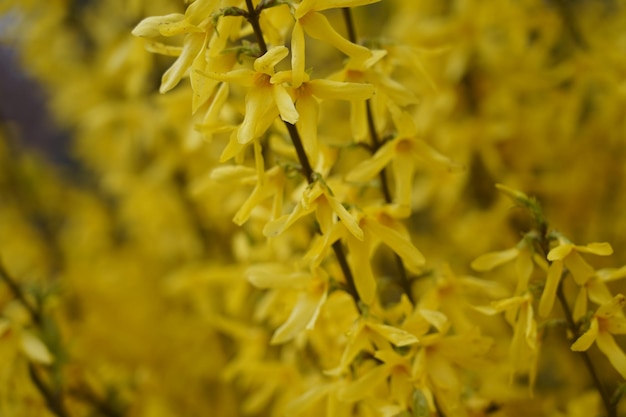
587 338
317 26
332 4
192 46
277 276
524 269
336 90
612 308
489 261
398 337
308 108
364 280
304 311
549 291
601 249
241 76
401 245
616 325
297 55
286 108
268 60
598 292
580 305
347 219
613 352
200 10
365 385
403 168
420 149
435 318
581 270
369 168
560 252
258 102
34 349
150 27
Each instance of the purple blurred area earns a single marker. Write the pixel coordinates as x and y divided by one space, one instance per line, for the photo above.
23 109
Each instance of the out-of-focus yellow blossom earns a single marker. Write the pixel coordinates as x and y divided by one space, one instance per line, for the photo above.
523 256
313 290
404 154
524 348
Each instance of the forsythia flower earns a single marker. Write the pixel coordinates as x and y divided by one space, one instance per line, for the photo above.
264 100
606 321
568 255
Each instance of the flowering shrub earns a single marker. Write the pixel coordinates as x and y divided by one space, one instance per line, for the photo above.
303 208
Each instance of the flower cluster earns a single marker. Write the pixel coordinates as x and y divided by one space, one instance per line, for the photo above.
284 204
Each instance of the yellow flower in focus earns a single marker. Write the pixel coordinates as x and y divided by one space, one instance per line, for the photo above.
568 255
607 321
265 99
317 26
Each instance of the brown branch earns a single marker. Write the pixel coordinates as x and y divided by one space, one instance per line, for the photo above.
307 170
376 144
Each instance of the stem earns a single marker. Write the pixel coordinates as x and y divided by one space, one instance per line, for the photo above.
19 294
307 170
611 412
253 19
376 144
54 401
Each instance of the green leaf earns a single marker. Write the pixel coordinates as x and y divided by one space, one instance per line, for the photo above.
420 404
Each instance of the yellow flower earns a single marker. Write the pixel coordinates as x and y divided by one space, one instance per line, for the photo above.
404 154
607 321
312 289
264 100
568 255
307 95
317 198
519 312
317 26
523 256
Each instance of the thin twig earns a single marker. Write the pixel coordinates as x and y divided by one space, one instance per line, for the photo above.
376 144
606 400
19 294
307 169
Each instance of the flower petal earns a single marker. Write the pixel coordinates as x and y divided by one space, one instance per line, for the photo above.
364 280
401 245
560 252
581 270
489 261
395 335
192 46
587 338
268 60
34 349
297 55
369 168
150 27
304 311
286 108
317 26
549 291
613 352
601 249
337 90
